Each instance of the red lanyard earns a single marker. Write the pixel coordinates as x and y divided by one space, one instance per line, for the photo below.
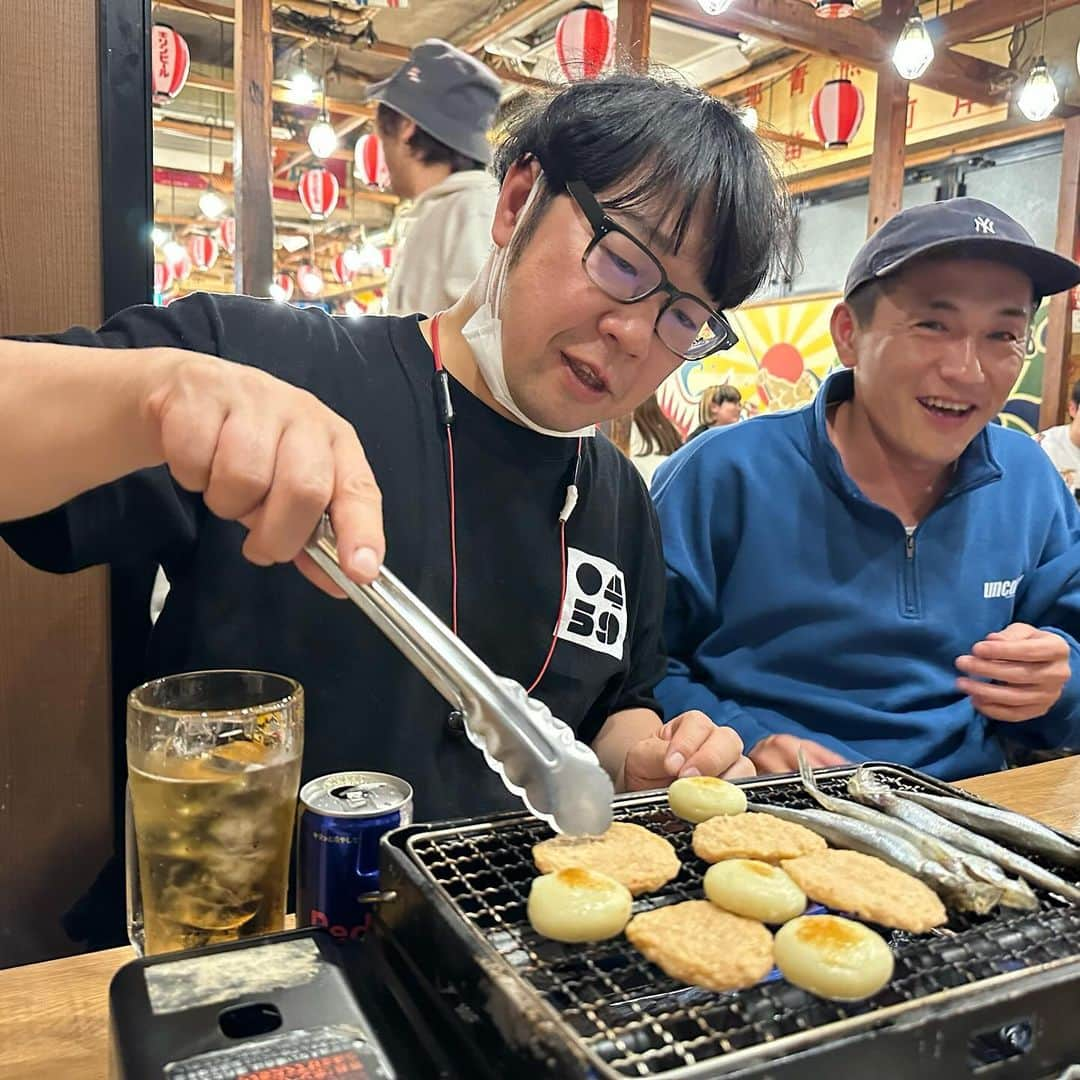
447 418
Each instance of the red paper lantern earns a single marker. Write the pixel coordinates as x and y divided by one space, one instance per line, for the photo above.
310 280
835 9
203 251
318 190
281 288
584 42
163 277
172 61
341 270
370 166
226 234
387 257
836 112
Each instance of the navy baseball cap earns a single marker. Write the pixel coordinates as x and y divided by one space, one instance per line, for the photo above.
960 228
449 94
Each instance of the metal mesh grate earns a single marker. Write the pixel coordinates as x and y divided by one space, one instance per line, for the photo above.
643 1023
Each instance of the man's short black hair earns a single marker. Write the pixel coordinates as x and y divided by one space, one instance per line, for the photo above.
426 147
1076 393
863 301
665 149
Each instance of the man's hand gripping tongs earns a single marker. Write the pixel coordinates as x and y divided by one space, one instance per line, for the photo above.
558 778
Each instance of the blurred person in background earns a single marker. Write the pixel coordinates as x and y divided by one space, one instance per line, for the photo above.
433 117
653 437
1062 443
721 406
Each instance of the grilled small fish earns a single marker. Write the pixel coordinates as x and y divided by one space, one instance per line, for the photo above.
845 832
964 891
1003 825
867 788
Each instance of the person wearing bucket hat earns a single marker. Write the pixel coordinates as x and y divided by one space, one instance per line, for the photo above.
887 572
433 117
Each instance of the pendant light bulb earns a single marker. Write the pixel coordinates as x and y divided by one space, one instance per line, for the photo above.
211 205
322 138
714 7
158 236
749 116
1039 96
353 309
174 252
277 293
303 88
914 50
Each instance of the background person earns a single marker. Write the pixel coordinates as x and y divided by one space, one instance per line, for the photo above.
721 406
433 117
653 437
1062 443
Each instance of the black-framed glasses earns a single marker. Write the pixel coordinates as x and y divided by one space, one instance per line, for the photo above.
627 271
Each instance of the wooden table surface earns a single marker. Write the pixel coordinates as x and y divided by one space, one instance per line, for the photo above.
54 1017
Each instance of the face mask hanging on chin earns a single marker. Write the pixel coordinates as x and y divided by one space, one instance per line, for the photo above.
483 332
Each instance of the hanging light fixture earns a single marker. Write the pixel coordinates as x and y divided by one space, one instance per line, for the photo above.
211 204
158 236
281 288
1038 96
749 116
303 86
836 111
714 7
914 50
322 138
353 308
584 43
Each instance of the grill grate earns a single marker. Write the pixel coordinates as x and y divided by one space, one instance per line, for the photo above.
643 1023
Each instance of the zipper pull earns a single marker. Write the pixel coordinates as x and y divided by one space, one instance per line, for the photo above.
909 544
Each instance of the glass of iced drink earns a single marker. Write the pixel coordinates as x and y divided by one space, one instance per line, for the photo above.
213 773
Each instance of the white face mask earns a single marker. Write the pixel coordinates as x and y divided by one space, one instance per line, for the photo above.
483 332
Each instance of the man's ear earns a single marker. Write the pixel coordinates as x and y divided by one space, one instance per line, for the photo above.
516 185
845 330
1072 410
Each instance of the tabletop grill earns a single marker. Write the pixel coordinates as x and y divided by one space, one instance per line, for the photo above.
999 992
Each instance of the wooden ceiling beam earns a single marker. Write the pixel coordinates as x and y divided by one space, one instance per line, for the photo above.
476 41
196 130
794 24
199 81
632 33
980 17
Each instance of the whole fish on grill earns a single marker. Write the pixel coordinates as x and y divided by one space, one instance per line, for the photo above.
960 889
845 832
867 788
1003 825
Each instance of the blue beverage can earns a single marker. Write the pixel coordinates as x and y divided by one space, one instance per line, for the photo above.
341 820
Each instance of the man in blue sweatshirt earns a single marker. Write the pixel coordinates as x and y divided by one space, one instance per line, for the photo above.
882 574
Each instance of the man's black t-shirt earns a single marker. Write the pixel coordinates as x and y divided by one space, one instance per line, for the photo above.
367 708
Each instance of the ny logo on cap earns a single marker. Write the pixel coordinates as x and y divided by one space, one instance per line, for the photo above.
985 225
413 74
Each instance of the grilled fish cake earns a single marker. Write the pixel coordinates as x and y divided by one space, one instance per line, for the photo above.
698 943
753 836
868 887
639 859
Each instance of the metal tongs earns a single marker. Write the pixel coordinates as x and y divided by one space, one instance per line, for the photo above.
536 755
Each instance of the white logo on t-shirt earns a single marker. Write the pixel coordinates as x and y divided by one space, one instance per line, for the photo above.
594 614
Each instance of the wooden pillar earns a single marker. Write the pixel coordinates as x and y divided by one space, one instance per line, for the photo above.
632 33
253 72
55 733
890 129
1059 319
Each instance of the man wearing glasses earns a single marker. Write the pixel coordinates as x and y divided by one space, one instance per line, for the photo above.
630 213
